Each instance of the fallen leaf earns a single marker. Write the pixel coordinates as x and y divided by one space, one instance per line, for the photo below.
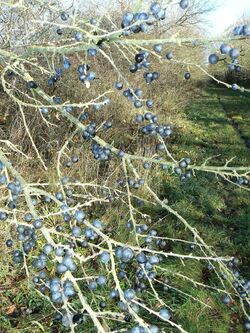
10 309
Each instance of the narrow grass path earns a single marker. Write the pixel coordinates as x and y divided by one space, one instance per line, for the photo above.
238 111
213 203
218 209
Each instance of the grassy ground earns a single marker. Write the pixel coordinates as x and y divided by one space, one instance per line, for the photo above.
216 205
216 123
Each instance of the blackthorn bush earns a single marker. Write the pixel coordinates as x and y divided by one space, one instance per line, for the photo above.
102 271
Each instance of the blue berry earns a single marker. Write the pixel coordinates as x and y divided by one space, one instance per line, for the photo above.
64 16
169 55
226 299
76 231
93 21
246 30
237 30
141 258
9 243
3 216
27 217
184 4
120 154
165 314
235 86
225 49
48 248
92 285
154 329
213 59
98 224
92 52
129 294
127 254
59 31
187 76
105 257
66 63
119 85
155 8
234 53
161 14
158 48
32 85
138 104
101 280
128 18
79 215
3 179
78 36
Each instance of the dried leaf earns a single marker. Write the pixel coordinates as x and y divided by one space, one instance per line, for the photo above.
10 309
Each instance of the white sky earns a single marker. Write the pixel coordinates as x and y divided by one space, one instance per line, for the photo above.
228 12
225 13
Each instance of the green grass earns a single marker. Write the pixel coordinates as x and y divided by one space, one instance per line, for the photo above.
216 207
219 210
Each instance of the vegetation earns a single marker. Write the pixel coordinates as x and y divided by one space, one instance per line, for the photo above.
124 187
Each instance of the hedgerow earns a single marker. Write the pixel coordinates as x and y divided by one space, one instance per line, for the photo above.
82 220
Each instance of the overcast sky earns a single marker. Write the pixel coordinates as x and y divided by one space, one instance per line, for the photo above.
228 12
